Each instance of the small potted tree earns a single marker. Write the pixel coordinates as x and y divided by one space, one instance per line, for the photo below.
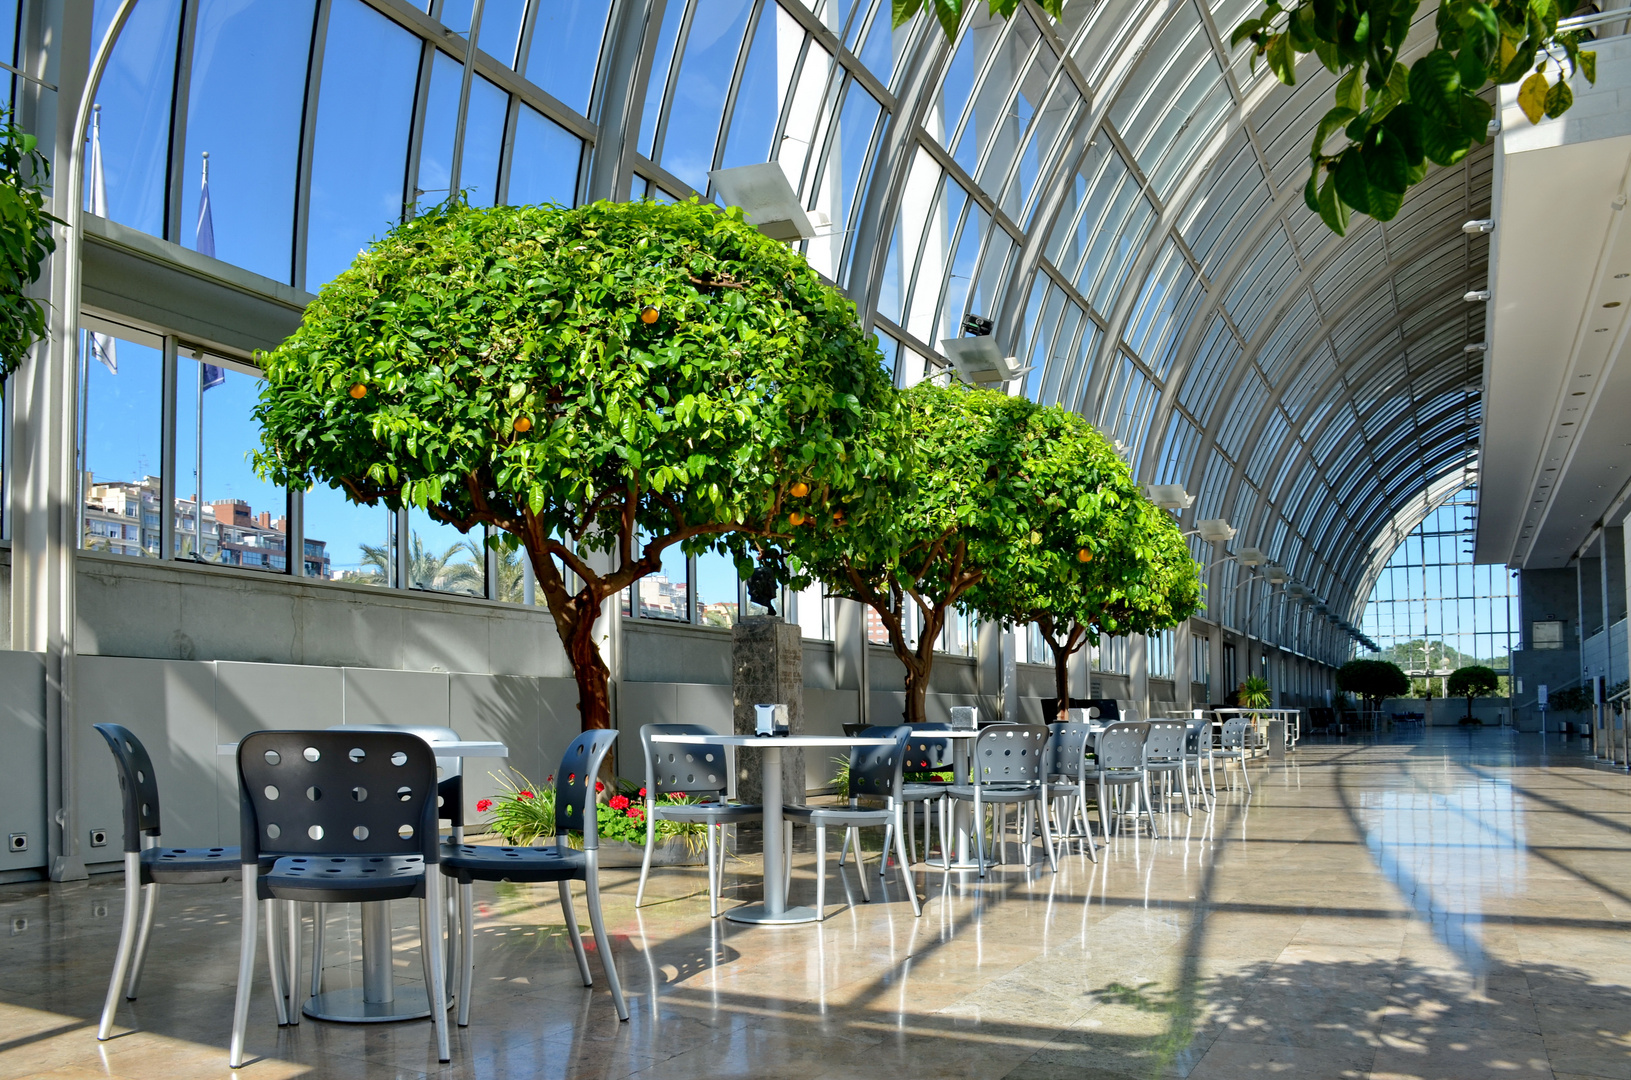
1474 680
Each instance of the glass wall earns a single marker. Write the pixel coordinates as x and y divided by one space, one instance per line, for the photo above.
1433 609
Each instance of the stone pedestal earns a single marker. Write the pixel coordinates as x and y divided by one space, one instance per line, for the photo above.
767 668
1277 739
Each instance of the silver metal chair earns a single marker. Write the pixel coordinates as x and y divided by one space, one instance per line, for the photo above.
1120 751
148 864
874 773
345 848
689 769
1165 758
575 811
1010 762
1234 745
1067 767
1197 747
925 753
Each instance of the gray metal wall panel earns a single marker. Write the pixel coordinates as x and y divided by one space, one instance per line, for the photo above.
22 748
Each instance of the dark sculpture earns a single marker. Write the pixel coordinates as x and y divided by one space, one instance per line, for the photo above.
765 582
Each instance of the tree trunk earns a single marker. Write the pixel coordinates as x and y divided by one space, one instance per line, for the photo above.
592 675
917 693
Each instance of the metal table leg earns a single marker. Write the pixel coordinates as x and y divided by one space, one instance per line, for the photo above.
378 1000
962 812
774 910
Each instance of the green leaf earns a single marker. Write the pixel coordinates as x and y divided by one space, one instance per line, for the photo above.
1558 99
1385 165
1300 30
1240 33
1332 210
1470 67
1329 123
1282 61
1476 114
1532 96
1350 92
1588 64
1384 204
1311 191
1351 181
1443 145
1435 83
950 15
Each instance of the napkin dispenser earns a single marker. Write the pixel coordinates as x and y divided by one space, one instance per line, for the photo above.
965 718
770 720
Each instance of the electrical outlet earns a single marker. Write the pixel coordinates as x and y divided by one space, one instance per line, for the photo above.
99 838
17 841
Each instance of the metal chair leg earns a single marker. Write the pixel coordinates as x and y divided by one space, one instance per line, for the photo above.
246 968
467 950
602 942
275 962
572 932
296 1002
127 942
860 862
905 868
821 872
883 859
713 870
651 840
432 917
319 924
979 831
150 899
1047 834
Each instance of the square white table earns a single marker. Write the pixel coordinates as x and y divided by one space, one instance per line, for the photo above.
774 910
379 1000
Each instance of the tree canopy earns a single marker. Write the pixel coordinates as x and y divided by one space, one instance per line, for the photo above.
601 384
1474 680
1105 559
1372 680
25 241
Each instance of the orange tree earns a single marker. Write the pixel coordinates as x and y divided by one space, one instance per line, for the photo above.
968 501
1101 558
601 384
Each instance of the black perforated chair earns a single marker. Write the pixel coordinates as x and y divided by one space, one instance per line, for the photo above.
338 817
1010 762
925 753
690 769
148 864
574 812
874 774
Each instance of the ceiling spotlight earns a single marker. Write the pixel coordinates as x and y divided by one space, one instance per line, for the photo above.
1250 556
1169 496
1476 296
1277 575
1477 347
1478 227
1215 531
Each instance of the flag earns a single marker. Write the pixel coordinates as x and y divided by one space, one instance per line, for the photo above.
204 244
102 346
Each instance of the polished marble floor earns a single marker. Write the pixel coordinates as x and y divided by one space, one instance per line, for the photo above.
1442 906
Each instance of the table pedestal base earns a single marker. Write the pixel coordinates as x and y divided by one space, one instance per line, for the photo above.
348 1007
759 915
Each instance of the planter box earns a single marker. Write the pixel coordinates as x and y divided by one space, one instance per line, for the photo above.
671 852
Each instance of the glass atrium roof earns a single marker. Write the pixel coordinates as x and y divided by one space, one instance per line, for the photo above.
1117 191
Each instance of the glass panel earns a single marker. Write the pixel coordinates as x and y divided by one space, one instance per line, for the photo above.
442 559
121 416
245 519
848 155
351 543
248 59
500 25
666 594
657 86
716 589
133 121
804 114
767 79
546 162
704 79
9 11
566 49
884 44
370 67
483 141
436 144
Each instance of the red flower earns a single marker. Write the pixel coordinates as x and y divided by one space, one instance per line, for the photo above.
550 779
676 796
642 793
636 813
619 802
599 787
525 795
484 805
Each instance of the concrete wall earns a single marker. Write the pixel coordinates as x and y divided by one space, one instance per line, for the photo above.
1545 595
1448 712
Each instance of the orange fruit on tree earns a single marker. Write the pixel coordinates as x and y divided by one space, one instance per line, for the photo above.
1084 555
359 391
522 424
648 314
800 489
796 518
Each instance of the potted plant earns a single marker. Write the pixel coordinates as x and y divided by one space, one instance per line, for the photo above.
523 814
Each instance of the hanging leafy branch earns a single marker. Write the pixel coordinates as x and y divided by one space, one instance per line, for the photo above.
25 241
1398 117
949 13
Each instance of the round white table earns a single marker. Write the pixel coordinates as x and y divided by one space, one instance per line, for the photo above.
379 999
773 911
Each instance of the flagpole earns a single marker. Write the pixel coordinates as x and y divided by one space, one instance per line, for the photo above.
198 544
